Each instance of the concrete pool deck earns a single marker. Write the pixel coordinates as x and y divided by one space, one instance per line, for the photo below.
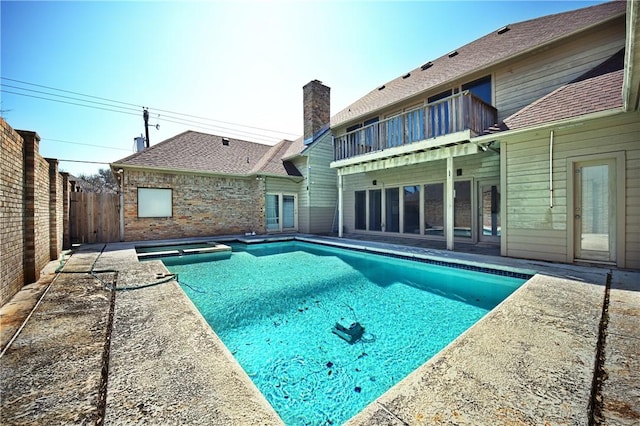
86 354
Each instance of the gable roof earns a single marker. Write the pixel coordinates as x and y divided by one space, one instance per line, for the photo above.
202 152
596 90
487 51
272 162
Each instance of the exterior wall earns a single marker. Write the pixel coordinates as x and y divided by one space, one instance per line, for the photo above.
475 168
520 82
32 214
534 230
202 205
322 187
11 214
302 164
42 228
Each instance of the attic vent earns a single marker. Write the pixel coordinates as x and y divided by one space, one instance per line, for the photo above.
381 87
503 29
407 75
426 66
452 54
225 141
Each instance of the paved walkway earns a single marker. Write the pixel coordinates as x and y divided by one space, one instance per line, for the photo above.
87 354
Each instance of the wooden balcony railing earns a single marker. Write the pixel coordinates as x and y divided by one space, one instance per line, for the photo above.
462 111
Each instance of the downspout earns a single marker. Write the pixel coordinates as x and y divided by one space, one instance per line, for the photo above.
340 219
551 169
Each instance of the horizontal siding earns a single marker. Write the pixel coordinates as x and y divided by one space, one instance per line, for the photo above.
276 185
323 180
533 228
303 195
519 83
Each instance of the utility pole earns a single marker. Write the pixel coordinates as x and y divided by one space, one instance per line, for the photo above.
145 115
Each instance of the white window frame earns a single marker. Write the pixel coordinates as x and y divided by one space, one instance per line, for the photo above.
280 217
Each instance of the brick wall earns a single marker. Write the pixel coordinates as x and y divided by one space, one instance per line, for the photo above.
32 210
11 213
202 205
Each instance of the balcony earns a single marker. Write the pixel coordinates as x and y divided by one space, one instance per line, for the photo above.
460 112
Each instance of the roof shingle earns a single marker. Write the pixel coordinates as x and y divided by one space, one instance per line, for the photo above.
202 152
599 89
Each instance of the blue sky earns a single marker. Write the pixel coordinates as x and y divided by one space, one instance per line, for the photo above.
240 63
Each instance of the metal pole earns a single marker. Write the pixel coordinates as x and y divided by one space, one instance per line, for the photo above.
145 115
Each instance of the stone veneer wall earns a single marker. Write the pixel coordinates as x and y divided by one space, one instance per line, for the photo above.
31 213
202 205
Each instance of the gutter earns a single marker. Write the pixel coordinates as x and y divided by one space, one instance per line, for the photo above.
196 172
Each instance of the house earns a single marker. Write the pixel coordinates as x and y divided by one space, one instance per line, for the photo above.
527 138
197 184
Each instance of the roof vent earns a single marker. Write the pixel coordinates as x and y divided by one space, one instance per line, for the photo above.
225 141
504 29
381 87
452 54
407 75
426 66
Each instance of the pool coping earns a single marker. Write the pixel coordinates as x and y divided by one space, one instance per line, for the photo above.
529 360
392 405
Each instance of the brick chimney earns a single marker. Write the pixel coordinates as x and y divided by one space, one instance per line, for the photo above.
316 99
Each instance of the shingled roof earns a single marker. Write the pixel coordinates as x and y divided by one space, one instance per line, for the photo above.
599 89
202 152
500 45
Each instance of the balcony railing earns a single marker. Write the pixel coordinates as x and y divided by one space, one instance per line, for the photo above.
462 111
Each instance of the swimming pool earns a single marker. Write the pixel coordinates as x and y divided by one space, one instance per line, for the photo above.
276 306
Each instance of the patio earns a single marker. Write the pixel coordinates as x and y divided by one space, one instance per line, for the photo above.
89 355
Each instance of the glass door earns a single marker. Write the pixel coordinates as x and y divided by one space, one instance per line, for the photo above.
594 210
489 212
288 212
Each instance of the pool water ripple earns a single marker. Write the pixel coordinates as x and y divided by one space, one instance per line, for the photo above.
274 307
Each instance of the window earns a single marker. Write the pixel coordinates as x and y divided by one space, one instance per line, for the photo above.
480 87
154 202
434 209
394 131
411 209
439 114
375 210
462 209
415 125
361 210
273 213
281 212
392 210
288 211
371 133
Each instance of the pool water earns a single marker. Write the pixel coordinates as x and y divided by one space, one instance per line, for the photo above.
274 306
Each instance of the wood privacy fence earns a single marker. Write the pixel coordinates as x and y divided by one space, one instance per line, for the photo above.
94 217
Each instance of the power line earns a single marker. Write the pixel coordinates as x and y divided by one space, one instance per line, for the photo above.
180 121
65 102
85 144
140 106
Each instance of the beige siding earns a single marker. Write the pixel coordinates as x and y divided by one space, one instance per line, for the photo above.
536 230
303 195
322 186
473 167
521 82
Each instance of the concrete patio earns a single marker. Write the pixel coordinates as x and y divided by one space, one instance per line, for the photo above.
73 351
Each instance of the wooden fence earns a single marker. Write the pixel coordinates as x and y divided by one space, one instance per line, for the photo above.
94 218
